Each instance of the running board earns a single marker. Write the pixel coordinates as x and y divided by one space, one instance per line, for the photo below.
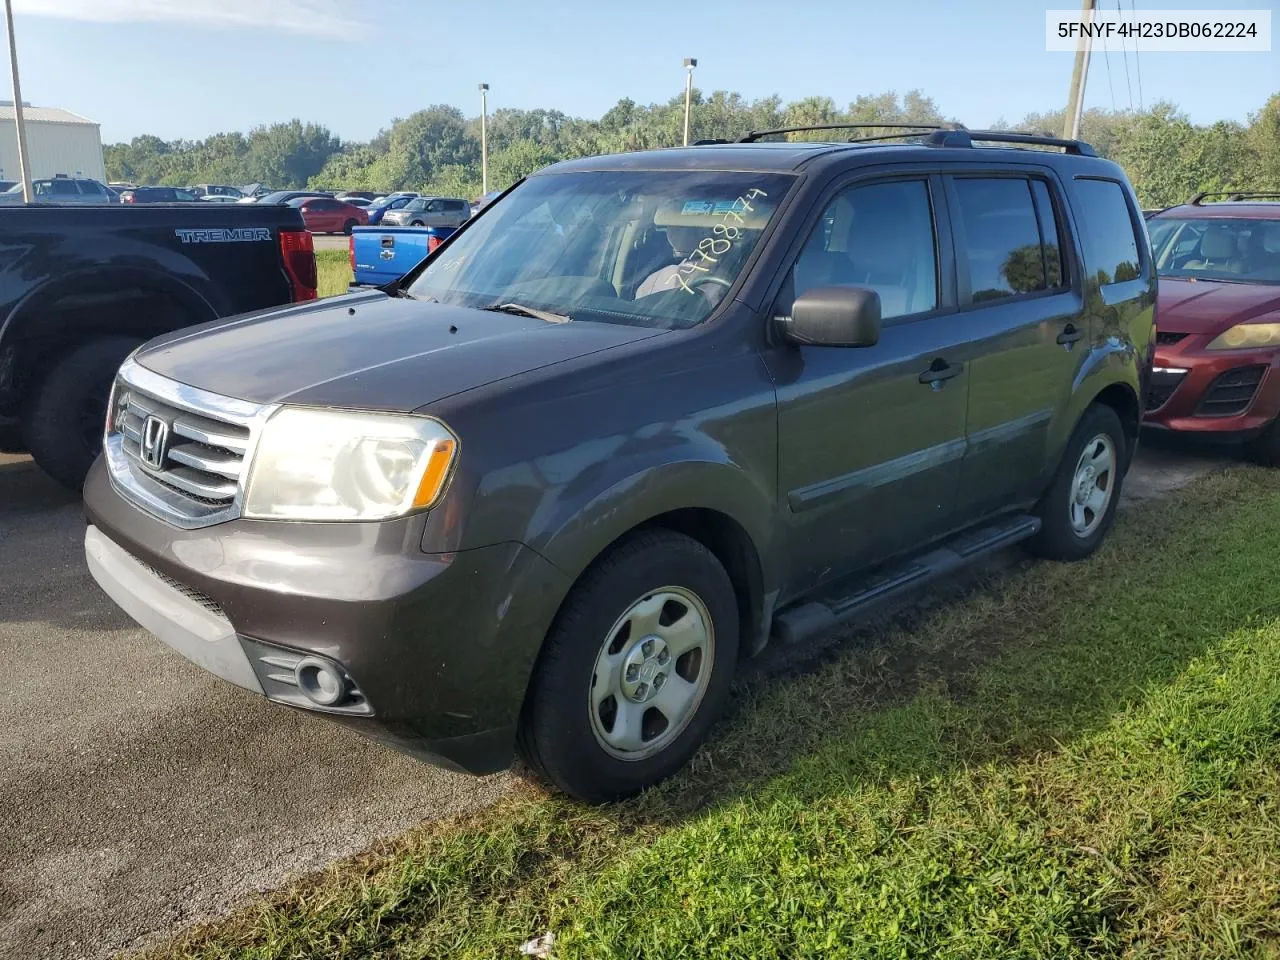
807 620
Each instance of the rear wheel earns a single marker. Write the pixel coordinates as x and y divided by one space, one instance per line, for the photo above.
1080 505
417 223
64 423
348 227
635 670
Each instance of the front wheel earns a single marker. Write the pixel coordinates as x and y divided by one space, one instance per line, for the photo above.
1080 505
417 223
635 671
63 427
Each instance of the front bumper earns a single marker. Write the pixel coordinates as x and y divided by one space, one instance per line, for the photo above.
437 648
1232 393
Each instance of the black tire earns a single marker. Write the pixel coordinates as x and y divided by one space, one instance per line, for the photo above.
417 223
1058 539
11 439
556 735
63 424
1265 448
348 227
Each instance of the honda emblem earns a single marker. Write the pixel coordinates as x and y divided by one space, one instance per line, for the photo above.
155 442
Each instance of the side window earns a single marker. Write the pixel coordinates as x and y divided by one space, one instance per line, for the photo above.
63 188
880 236
1055 271
455 206
435 206
1110 243
1001 237
185 195
92 188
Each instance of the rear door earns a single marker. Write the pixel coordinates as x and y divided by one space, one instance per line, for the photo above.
1030 338
871 439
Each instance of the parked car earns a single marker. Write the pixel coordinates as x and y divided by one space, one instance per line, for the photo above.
8 185
327 215
366 195
60 190
646 415
158 195
381 255
281 196
1217 366
379 208
429 212
217 198
203 190
81 288
355 201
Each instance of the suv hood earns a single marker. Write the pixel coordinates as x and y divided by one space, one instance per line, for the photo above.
1211 306
371 352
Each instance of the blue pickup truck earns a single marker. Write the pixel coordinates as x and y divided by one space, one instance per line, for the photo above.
382 255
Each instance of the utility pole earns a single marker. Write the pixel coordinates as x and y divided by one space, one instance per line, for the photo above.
689 64
24 165
484 139
1079 74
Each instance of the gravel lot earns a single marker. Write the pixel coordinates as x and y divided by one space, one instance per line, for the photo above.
142 794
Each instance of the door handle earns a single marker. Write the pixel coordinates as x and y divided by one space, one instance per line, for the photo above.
1069 335
939 372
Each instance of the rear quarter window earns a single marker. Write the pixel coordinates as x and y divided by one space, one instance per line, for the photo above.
1111 248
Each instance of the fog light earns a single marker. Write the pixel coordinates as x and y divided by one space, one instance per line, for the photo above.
320 681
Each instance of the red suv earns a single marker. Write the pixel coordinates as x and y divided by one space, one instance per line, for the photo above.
1217 361
328 215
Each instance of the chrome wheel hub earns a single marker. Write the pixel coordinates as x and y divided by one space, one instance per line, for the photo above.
651 673
1092 485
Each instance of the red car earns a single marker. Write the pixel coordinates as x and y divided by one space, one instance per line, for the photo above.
1217 361
327 215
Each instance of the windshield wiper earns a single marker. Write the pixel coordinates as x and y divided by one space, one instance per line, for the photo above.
520 310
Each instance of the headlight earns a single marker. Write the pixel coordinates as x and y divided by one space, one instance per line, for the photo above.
312 464
1245 336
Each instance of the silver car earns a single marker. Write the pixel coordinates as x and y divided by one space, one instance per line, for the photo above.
430 212
61 190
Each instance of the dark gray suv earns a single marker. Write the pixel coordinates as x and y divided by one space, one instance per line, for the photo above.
642 417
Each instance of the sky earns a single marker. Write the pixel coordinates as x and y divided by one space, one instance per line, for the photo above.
190 68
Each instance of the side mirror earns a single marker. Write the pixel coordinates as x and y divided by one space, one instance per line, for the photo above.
835 317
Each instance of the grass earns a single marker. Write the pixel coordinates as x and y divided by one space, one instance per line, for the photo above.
333 268
1065 761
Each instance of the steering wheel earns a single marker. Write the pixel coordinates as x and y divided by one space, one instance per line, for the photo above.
703 281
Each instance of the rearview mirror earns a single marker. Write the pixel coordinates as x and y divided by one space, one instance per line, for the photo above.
834 317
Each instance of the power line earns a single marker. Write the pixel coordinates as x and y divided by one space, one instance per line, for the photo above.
1125 53
1106 58
1136 62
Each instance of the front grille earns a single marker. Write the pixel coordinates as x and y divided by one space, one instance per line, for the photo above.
1232 392
192 454
1161 386
1164 338
177 451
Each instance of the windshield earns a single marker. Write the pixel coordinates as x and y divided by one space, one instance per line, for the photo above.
650 248
1244 251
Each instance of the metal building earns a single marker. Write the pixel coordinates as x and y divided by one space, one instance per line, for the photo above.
57 142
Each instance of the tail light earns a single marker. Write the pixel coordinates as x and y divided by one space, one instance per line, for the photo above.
351 251
298 251
433 242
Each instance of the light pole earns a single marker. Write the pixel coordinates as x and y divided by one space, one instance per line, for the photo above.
24 166
484 139
689 64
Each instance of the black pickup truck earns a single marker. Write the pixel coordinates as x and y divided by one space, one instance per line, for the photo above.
82 287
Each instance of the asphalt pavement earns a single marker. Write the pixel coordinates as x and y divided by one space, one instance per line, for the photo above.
141 795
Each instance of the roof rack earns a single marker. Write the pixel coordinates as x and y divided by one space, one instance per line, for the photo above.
1231 195
965 138
918 128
